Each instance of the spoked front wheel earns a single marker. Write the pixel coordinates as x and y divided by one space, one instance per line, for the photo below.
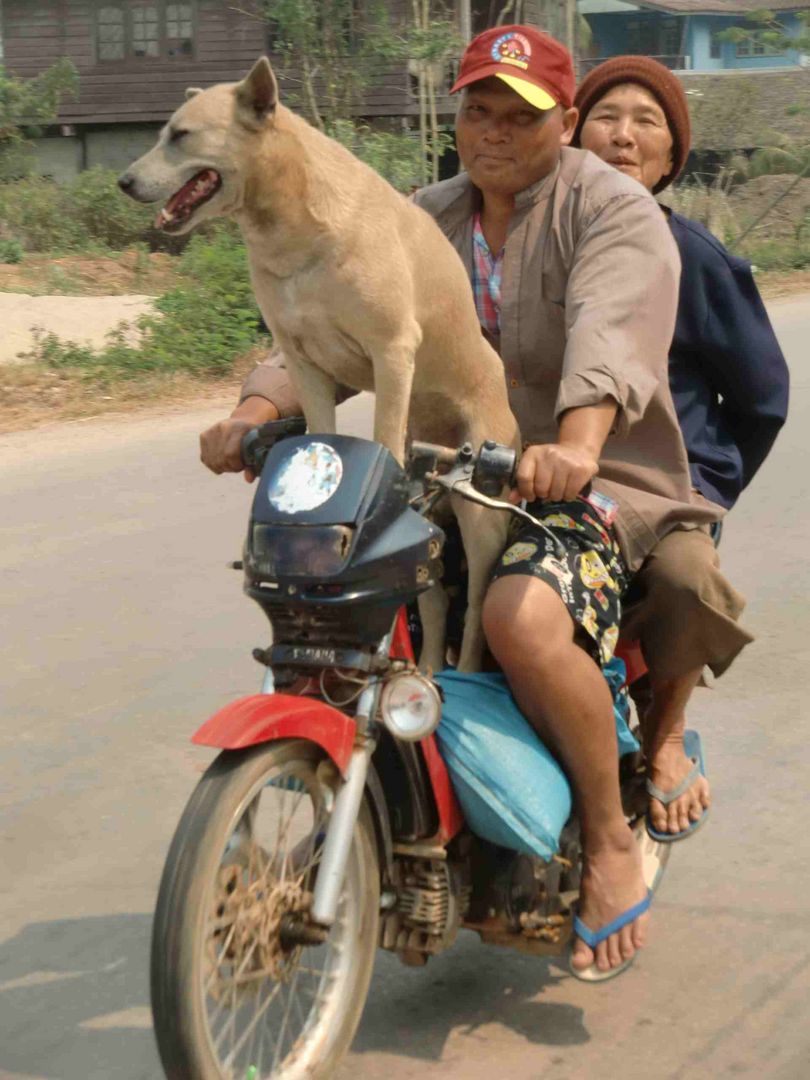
239 989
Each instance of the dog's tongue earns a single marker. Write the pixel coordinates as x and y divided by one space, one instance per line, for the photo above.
198 185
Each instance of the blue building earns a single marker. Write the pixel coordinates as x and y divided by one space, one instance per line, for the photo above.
682 34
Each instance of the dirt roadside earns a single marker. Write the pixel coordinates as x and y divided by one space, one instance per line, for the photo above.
83 275
31 395
85 320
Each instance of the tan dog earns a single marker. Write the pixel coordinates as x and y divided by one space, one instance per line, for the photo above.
357 284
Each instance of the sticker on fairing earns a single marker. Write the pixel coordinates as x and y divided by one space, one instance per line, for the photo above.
310 477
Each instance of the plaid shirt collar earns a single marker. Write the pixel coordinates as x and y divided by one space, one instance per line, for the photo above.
486 280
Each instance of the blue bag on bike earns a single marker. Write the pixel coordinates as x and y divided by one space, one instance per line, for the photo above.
510 787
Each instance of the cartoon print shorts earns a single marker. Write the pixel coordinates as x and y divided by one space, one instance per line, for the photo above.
590 579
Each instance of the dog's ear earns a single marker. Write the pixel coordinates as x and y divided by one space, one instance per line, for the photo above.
257 93
192 91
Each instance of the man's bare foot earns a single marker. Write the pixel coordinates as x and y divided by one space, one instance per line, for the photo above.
612 883
669 767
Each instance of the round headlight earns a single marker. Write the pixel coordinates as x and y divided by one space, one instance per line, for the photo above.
411 706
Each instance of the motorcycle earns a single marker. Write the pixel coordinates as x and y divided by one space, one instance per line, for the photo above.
328 825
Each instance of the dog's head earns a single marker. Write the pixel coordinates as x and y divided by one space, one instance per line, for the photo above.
197 167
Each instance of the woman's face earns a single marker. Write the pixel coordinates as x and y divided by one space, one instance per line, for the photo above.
627 128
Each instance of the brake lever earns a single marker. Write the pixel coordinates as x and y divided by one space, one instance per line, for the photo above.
458 481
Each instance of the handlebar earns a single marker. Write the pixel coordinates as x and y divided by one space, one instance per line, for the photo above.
259 441
491 469
478 477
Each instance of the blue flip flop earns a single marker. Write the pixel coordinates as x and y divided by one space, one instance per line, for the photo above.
693 750
592 938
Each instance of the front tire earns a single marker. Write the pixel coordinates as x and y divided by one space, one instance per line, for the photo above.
232 997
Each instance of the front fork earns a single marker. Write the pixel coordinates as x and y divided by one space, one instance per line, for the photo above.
340 830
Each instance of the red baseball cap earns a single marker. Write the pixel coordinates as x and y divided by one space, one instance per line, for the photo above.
528 60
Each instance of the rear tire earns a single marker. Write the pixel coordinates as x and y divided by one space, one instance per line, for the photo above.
221 970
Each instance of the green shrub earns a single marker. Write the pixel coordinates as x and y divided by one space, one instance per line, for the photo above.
211 318
37 213
776 254
88 214
395 155
10 251
103 213
777 160
26 106
201 326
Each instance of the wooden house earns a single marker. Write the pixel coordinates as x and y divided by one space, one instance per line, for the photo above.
136 57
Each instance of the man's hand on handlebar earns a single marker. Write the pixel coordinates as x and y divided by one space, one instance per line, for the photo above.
553 472
221 445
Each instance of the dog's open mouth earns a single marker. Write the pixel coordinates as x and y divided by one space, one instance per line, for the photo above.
198 190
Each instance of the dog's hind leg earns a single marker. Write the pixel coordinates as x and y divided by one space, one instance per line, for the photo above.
483 533
433 606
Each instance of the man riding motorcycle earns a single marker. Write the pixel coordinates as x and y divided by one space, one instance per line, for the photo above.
576 277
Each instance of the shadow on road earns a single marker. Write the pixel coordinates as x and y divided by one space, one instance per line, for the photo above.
74 1000
413 1012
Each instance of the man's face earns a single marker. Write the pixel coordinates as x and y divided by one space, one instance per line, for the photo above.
504 143
627 128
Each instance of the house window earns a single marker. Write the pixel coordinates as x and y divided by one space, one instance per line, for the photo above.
642 37
715 47
143 30
179 30
653 36
669 40
111 35
754 46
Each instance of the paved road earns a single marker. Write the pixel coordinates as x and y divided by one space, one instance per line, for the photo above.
123 629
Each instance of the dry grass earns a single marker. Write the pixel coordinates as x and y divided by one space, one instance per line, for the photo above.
148 274
31 395
778 283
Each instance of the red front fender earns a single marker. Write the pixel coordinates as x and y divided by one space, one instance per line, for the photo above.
265 717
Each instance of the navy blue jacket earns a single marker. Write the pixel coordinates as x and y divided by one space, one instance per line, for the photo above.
728 376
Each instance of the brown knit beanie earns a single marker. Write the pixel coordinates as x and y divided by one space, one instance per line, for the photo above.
665 87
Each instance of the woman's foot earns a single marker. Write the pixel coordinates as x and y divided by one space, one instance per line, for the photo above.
669 766
612 883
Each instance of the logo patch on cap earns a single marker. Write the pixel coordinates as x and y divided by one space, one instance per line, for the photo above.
512 48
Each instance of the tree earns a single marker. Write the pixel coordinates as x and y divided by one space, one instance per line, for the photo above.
26 106
331 51
429 44
323 45
763 28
